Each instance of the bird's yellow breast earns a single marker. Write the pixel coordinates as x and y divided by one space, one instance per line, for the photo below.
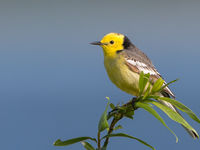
120 74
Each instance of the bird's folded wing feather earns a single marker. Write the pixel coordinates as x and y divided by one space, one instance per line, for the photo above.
138 66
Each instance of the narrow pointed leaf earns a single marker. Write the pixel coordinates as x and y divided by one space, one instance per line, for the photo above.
108 98
157 85
72 141
103 122
147 75
112 106
173 115
87 145
143 82
182 107
141 78
152 97
129 114
148 108
128 136
147 92
168 84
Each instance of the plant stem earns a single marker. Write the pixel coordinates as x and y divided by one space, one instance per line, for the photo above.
99 140
112 125
116 119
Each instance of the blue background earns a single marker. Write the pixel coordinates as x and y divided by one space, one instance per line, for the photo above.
53 83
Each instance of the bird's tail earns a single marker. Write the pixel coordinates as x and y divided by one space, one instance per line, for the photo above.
191 132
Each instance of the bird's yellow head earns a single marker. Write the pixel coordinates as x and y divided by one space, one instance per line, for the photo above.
111 44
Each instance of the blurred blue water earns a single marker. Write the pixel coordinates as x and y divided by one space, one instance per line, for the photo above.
53 83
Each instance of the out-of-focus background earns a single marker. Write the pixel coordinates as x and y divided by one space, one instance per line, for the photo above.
53 83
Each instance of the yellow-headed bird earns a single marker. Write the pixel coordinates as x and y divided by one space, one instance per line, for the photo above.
124 62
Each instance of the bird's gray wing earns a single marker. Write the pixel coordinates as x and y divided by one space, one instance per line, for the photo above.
137 61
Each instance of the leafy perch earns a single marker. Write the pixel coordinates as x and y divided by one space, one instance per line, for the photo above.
145 100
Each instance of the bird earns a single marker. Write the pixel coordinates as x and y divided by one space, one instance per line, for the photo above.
124 62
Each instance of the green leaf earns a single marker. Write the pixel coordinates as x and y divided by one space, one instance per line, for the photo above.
173 115
103 122
108 98
157 85
143 82
118 127
72 141
168 84
112 106
128 136
147 76
87 145
182 107
148 108
152 97
129 114
147 92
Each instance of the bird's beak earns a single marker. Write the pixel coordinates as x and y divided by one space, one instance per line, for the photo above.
97 43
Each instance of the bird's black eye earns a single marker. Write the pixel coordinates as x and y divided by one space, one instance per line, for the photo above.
111 42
